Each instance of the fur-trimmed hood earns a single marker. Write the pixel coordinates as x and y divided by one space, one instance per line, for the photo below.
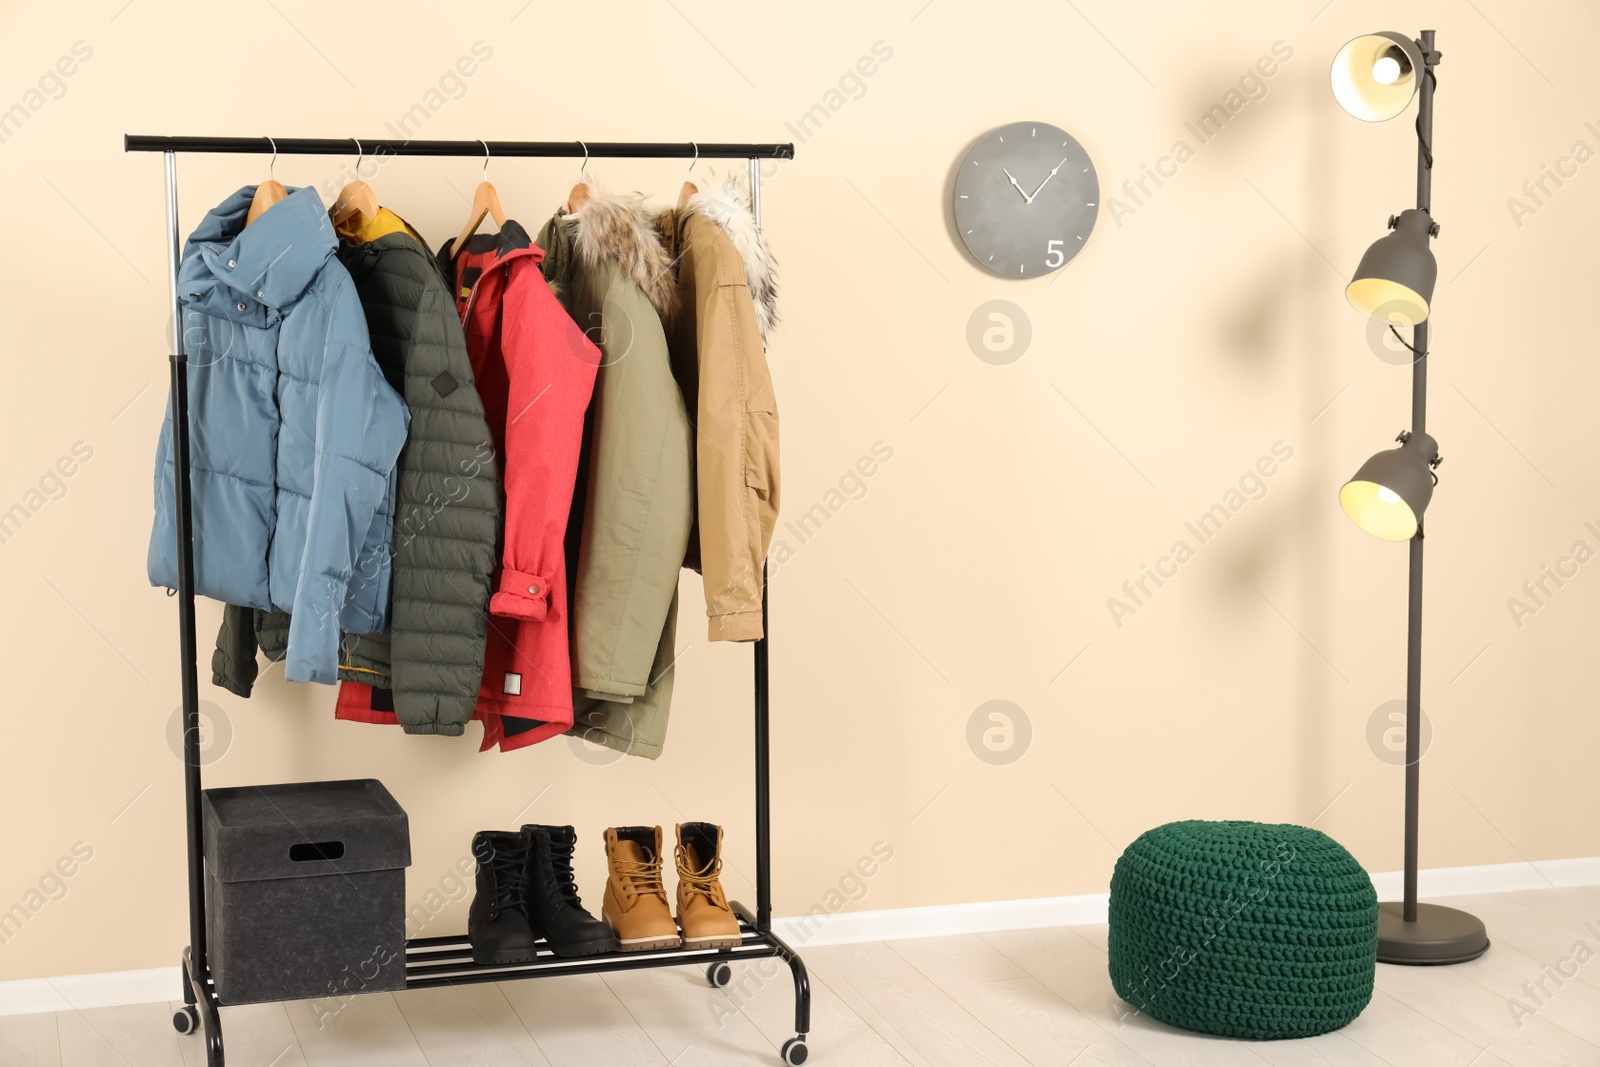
723 203
620 227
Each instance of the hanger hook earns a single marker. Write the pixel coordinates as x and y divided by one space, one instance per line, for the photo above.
360 155
485 158
583 168
693 161
272 168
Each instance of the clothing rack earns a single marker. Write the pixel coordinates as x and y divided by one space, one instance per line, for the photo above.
441 961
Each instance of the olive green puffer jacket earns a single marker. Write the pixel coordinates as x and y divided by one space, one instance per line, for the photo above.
447 510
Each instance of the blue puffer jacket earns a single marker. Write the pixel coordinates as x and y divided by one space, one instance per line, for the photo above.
294 432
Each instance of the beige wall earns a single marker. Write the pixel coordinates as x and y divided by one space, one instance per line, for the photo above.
1194 332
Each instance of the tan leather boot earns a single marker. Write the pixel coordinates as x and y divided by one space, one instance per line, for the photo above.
703 911
635 902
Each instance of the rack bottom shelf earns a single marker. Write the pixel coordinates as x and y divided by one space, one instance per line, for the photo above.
447 961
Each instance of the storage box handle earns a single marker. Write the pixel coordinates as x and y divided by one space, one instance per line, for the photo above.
306 851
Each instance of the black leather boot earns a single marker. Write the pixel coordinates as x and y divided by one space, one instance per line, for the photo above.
497 921
554 910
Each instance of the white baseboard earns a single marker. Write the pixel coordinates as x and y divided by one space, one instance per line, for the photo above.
32 996
944 920
1492 878
941 920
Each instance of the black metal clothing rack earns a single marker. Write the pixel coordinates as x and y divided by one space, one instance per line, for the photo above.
438 961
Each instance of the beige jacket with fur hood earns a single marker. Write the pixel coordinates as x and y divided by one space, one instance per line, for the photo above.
725 307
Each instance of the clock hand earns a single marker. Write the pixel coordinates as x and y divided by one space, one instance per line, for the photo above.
1046 181
1026 199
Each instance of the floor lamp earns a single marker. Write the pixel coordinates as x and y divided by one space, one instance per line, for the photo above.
1374 78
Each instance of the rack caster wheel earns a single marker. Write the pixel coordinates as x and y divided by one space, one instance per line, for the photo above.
186 1020
719 974
795 1051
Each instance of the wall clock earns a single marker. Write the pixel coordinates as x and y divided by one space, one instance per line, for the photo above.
1026 199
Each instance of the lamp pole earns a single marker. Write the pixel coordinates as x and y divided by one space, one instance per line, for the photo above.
1419 424
1414 933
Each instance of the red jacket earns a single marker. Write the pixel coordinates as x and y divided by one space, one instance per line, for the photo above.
535 371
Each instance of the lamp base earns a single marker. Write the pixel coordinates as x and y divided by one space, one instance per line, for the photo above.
1439 936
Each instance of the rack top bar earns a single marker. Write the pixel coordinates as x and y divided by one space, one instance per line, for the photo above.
378 146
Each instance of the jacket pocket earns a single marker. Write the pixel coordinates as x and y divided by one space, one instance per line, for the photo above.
761 455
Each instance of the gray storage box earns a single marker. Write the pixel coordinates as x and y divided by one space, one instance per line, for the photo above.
305 890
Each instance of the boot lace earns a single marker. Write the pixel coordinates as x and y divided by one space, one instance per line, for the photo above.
705 882
643 875
510 890
566 881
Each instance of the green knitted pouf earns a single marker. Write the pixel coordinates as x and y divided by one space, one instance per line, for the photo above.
1243 929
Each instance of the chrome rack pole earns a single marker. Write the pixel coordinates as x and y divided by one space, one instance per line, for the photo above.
186 635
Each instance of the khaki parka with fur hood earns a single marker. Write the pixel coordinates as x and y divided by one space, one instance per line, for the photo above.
628 531
725 308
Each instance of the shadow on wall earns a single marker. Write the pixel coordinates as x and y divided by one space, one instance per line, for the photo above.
1208 126
1228 98
1245 585
1254 328
1322 378
1273 570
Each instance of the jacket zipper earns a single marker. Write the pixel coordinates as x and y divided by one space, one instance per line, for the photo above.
472 296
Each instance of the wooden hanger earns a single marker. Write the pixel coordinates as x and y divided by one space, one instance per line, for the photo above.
689 188
485 201
580 192
268 192
357 198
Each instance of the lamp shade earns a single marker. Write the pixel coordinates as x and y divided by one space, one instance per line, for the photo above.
1389 493
1394 280
1375 76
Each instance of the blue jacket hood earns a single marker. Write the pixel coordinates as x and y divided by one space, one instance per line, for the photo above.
269 264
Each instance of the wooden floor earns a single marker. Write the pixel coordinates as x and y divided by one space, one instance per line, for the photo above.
1032 997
